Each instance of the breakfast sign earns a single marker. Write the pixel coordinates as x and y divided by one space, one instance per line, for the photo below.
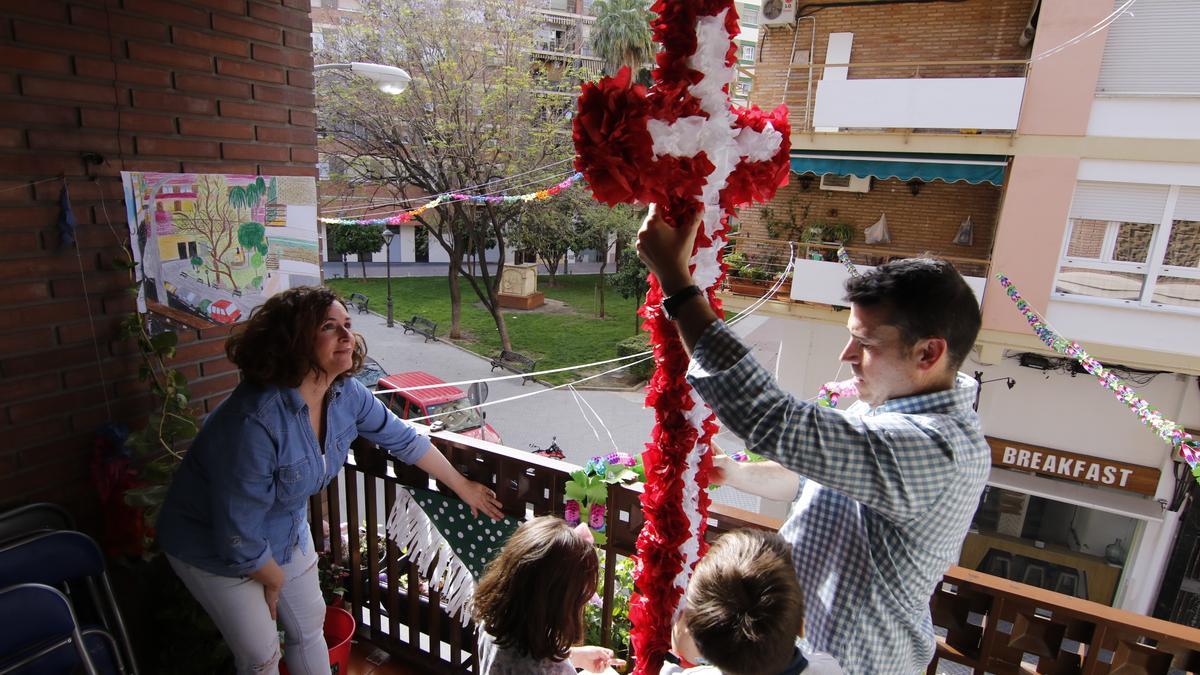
1073 467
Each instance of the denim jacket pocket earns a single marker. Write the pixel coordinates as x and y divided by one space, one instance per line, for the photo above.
295 482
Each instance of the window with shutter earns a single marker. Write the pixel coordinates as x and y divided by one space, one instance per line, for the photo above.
1133 244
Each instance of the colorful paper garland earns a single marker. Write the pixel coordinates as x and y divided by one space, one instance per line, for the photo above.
1169 431
406 216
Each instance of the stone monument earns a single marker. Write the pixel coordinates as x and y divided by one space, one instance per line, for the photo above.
518 287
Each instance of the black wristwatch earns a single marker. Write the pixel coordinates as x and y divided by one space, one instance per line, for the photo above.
672 303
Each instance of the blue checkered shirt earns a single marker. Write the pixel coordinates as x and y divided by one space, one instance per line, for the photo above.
886 496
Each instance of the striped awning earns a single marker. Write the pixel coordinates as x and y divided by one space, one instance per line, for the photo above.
972 169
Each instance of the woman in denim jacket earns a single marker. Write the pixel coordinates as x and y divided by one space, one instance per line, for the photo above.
235 522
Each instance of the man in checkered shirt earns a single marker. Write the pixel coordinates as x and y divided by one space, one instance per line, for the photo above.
884 491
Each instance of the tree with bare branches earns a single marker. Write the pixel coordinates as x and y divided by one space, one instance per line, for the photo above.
475 119
212 221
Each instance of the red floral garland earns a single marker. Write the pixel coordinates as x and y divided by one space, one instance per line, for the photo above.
615 152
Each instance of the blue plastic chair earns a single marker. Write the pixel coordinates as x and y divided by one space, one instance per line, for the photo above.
44 637
31 518
56 558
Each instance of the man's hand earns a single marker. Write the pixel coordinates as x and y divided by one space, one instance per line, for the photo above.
723 467
666 250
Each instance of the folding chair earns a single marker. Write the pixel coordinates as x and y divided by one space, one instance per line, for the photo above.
25 520
56 558
45 637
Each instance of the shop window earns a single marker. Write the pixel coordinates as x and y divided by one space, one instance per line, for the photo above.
1060 547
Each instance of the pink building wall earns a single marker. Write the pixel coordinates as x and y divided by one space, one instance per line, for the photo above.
1061 87
1029 237
1037 200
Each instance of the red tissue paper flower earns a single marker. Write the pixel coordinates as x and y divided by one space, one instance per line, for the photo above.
612 144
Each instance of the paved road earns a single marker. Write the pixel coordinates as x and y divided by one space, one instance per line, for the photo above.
537 417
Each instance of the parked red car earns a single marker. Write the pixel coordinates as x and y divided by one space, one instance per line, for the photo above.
224 311
447 404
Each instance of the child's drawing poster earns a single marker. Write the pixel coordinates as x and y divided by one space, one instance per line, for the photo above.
216 245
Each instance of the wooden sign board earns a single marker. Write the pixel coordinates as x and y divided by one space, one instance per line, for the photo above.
1073 467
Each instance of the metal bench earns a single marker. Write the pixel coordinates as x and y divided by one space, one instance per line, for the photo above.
422 326
517 363
359 301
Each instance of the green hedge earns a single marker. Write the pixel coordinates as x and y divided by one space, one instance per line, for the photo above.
636 345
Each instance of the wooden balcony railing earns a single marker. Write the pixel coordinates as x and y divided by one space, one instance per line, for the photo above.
985 623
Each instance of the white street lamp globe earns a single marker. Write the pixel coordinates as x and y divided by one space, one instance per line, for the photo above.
389 79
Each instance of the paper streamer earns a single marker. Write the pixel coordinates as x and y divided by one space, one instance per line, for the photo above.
1167 430
406 216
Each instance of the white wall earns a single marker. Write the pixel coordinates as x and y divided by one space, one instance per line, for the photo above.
1133 326
937 103
1150 117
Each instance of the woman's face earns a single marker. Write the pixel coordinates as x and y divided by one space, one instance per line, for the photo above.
333 348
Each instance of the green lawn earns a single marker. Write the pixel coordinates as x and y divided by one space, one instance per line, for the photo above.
556 337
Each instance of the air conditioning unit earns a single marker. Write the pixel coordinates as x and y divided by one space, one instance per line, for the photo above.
778 13
836 183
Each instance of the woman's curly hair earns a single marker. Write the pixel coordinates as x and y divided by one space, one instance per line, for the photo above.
532 594
275 346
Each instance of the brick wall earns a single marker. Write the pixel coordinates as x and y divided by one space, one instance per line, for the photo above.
221 86
926 222
912 33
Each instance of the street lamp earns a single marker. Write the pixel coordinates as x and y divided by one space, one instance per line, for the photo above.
389 79
387 246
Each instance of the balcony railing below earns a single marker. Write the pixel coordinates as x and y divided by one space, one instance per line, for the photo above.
818 276
985 623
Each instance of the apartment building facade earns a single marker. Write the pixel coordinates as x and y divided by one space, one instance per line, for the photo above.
1053 141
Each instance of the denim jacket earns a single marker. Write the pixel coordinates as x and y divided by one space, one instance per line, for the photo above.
240 496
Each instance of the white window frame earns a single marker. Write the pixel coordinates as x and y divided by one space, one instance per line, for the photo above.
1153 268
747 52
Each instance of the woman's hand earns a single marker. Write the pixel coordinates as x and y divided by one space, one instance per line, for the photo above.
271 577
593 659
480 498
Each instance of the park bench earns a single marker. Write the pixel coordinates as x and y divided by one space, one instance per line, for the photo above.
517 363
359 301
421 325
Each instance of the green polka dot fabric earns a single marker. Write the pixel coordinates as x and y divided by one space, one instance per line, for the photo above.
474 540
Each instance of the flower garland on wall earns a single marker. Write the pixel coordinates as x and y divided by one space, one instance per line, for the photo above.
406 216
1169 431
681 146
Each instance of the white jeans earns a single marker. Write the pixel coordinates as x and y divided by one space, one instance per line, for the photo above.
238 608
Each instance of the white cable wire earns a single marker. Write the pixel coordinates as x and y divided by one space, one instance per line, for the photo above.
531 393
575 396
753 307
1096 28
645 356
598 419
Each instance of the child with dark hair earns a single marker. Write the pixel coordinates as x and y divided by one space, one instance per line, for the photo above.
742 612
529 603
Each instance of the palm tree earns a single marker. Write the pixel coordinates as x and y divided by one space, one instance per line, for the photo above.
622 34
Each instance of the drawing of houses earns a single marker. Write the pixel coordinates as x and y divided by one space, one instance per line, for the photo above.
204 243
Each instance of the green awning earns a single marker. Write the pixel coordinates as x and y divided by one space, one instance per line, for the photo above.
903 165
